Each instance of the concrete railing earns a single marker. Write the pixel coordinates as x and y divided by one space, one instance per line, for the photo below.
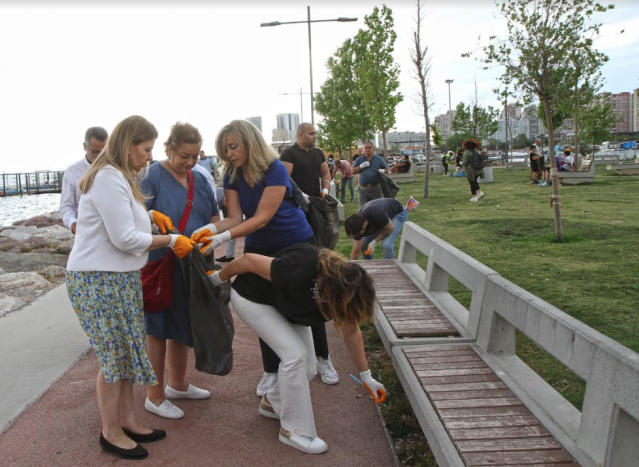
606 432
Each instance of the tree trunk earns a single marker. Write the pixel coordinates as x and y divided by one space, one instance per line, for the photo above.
384 138
553 172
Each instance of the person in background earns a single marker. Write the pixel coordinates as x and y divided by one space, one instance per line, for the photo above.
331 165
459 157
103 279
209 178
208 164
257 189
403 166
472 174
367 167
169 334
346 170
569 162
446 161
278 298
94 141
534 165
379 220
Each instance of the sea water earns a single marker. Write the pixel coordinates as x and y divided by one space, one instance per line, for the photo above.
15 208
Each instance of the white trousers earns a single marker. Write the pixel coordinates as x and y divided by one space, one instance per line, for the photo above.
293 343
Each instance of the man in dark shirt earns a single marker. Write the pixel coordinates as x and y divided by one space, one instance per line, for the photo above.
306 164
378 220
402 166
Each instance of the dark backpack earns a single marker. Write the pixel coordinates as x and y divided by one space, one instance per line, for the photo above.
478 161
323 218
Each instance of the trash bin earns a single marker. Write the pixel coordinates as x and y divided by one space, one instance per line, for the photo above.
488 175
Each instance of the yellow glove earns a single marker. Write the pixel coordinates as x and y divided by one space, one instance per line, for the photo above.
181 245
161 221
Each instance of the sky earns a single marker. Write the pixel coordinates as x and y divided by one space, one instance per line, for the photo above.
69 65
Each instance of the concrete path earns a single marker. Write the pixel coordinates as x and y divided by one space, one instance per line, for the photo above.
40 342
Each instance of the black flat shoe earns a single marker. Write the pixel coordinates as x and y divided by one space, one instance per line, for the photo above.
155 435
137 453
224 259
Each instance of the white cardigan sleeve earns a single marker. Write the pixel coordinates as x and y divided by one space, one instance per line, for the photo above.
113 199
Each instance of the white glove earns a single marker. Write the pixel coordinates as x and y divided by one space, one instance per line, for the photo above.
371 247
364 164
324 192
378 391
214 277
306 198
332 183
209 244
205 231
381 171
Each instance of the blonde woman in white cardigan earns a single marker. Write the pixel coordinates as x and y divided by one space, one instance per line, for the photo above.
113 237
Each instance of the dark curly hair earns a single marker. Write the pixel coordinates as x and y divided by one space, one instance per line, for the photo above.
471 144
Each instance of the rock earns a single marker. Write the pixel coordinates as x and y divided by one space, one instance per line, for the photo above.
25 282
9 304
1 271
9 245
19 233
38 221
18 262
53 271
20 222
55 216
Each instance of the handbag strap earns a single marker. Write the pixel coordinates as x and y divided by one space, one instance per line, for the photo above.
189 205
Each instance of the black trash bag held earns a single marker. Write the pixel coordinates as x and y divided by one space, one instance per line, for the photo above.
324 220
211 319
389 187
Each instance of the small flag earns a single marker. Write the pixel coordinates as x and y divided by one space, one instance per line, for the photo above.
411 204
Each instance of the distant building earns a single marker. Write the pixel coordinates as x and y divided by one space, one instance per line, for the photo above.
257 121
624 105
536 126
288 122
445 124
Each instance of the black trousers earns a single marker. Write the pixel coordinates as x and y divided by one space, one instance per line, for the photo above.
270 360
474 186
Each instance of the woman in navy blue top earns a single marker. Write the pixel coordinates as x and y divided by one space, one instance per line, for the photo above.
256 188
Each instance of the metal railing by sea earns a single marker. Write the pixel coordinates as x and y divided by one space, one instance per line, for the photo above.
36 183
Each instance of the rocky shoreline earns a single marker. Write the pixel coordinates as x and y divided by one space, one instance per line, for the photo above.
33 256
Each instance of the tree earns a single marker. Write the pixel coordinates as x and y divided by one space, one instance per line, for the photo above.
421 60
545 37
475 122
455 141
376 72
438 138
521 141
597 122
341 103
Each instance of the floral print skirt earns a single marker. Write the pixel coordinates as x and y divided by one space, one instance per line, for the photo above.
109 307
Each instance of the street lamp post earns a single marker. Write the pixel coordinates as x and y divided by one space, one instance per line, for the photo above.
310 55
301 102
450 110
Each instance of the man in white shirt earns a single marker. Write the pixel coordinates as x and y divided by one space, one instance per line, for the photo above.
94 141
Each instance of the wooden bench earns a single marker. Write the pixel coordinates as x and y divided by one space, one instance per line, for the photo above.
585 174
404 177
625 169
476 401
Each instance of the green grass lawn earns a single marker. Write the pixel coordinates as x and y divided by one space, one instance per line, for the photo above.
593 275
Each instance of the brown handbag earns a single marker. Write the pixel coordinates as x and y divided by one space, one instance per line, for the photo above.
157 276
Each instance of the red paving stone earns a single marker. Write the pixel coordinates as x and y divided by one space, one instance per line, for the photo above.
63 426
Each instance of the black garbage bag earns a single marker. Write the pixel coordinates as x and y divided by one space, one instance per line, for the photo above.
389 187
324 220
211 319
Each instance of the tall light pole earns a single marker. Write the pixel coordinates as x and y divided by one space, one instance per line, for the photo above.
310 55
450 110
301 103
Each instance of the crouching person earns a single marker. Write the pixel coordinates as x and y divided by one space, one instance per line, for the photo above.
379 220
279 298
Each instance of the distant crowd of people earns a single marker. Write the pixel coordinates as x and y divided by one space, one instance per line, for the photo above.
124 207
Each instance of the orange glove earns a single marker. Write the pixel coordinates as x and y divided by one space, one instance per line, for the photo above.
371 248
181 245
161 221
206 231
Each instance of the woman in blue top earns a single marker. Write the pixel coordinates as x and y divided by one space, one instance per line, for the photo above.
256 187
256 184
168 331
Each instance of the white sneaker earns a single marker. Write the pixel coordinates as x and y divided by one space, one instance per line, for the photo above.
165 410
327 371
480 195
266 383
191 393
473 199
303 443
266 409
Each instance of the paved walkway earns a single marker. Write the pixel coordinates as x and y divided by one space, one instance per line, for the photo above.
50 415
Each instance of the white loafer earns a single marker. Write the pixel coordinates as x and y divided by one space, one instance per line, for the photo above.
192 392
165 410
303 443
